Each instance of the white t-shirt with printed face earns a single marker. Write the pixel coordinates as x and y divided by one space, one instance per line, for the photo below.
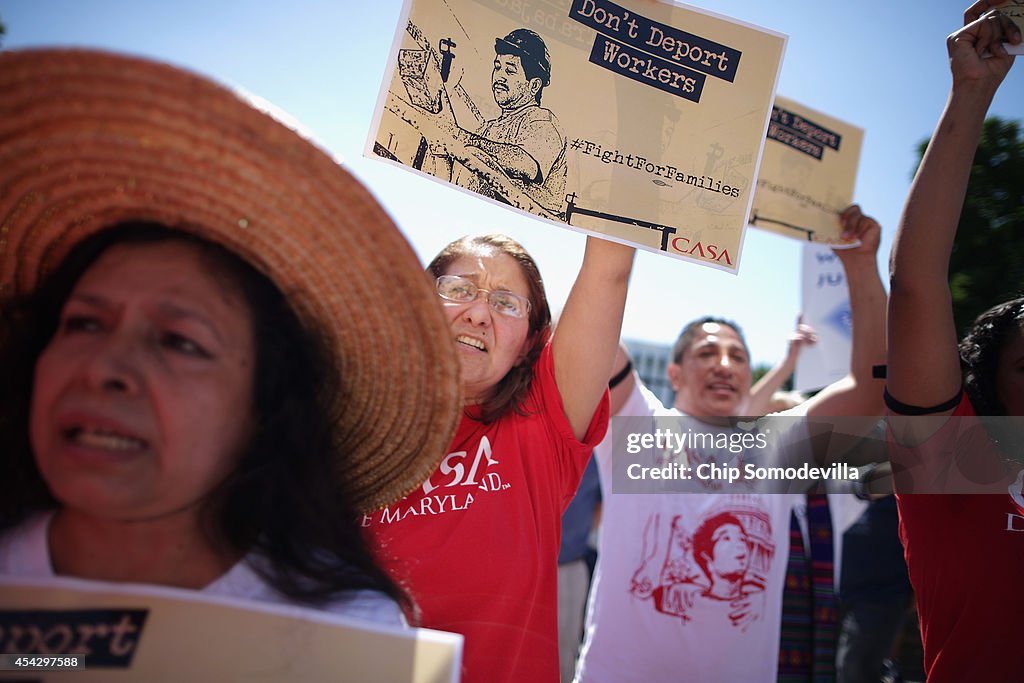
688 585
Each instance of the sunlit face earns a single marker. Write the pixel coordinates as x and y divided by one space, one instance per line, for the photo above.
1010 375
489 344
730 555
511 88
713 377
142 399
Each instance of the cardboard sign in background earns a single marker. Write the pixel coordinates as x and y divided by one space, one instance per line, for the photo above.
808 173
662 110
161 635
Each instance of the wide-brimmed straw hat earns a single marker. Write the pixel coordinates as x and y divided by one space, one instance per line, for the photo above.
91 139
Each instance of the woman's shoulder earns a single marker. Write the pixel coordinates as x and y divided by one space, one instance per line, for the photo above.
243 581
368 605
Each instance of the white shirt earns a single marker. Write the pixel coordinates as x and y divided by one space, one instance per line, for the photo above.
661 609
25 552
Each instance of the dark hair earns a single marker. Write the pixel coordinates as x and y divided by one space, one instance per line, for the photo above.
702 537
510 392
691 330
979 353
533 55
281 501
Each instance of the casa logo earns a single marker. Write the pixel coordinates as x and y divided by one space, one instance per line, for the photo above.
462 469
702 250
450 488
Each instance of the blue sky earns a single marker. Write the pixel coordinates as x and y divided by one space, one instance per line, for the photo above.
879 65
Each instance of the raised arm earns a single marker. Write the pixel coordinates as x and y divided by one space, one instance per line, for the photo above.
924 367
587 336
622 380
761 393
859 393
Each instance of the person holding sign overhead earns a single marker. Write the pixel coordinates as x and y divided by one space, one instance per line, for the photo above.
526 140
689 582
192 298
477 543
964 552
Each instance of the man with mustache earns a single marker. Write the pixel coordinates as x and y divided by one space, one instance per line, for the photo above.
526 139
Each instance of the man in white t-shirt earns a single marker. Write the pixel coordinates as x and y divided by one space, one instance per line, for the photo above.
688 585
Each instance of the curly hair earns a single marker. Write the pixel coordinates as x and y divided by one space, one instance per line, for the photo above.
980 350
511 391
280 501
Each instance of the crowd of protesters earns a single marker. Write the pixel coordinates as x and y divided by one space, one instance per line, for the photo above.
196 307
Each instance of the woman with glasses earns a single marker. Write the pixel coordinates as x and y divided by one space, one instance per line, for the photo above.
477 543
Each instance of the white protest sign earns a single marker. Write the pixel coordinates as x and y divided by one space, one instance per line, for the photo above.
639 120
826 308
165 635
1015 10
807 174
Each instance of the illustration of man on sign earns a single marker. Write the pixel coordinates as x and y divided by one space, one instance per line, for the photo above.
519 157
525 140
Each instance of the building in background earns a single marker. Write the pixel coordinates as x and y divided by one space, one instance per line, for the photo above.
651 362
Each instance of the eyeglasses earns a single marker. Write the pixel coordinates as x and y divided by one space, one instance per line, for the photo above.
463 290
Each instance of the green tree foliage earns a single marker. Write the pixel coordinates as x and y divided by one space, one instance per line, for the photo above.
987 263
759 371
3 29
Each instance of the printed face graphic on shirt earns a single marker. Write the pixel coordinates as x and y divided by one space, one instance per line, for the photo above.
715 572
725 556
1015 522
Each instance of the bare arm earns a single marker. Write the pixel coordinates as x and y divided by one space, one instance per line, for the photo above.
859 393
587 336
924 367
512 159
619 394
530 156
761 393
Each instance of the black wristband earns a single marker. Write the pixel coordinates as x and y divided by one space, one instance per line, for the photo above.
907 409
620 375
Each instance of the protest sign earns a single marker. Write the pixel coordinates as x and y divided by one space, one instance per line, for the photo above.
826 308
154 634
1015 10
640 120
807 173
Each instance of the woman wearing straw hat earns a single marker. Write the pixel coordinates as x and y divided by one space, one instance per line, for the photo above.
477 543
193 392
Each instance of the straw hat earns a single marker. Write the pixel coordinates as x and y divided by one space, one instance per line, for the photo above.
89 139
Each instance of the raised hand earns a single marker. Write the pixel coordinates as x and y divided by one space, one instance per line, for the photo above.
976 52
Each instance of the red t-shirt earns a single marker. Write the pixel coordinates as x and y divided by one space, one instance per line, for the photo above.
477 544
965 554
